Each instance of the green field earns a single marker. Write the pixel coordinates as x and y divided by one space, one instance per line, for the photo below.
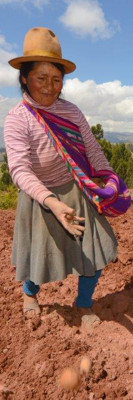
8 199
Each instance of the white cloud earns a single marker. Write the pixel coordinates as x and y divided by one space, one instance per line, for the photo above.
5 105
8 75
110 103
86 17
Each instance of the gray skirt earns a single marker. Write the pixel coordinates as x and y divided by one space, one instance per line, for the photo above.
44 251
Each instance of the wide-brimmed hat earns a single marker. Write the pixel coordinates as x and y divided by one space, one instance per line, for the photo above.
41 44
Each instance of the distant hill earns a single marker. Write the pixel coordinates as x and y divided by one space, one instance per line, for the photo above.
117 137
1 157
1 137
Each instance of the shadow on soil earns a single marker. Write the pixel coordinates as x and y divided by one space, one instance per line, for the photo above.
117 307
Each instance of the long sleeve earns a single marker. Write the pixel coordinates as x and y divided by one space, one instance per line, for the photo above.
19 158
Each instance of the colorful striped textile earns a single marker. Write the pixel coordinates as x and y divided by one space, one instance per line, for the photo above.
113 199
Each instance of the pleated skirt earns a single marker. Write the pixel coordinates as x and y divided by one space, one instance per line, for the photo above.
44 251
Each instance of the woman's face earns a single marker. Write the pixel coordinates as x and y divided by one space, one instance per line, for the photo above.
44 83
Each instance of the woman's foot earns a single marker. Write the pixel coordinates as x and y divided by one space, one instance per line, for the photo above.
31 307
88 318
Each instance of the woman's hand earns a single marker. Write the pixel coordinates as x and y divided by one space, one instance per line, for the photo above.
98 182
65 215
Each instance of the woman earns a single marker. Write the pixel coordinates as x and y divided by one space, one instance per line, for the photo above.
57 231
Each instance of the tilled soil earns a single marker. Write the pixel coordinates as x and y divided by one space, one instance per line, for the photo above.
34 352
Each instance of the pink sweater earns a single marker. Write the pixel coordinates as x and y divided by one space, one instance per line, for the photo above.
34 164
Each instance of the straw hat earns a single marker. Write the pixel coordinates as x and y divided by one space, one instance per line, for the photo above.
41 44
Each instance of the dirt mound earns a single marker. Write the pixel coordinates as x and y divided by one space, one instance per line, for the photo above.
34 353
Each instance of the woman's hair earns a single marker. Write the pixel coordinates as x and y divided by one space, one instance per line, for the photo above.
26 67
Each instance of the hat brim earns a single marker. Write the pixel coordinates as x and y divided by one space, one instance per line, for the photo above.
68 65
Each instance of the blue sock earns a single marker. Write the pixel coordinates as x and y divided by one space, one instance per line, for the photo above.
30 288
86 287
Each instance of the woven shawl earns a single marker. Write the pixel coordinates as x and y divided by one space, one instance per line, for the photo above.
112 200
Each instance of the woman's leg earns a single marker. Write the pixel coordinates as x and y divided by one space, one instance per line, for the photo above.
86 287
30 288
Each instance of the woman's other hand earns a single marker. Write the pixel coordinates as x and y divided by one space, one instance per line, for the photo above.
66 216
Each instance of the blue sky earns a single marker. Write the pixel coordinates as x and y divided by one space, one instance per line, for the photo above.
96 35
